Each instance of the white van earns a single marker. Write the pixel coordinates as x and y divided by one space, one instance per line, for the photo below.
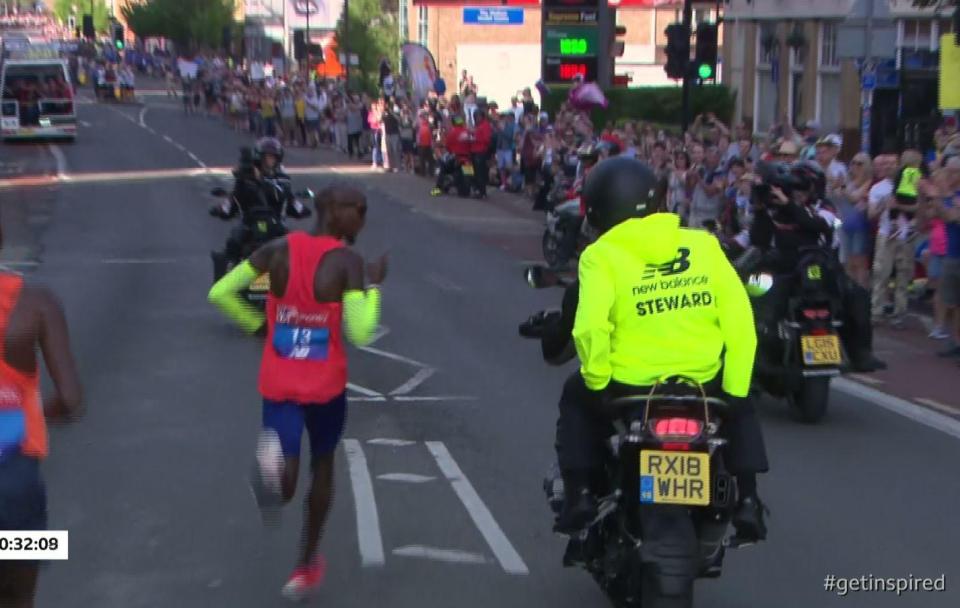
38 100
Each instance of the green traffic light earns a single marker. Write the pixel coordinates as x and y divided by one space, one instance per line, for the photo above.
705 71
119 44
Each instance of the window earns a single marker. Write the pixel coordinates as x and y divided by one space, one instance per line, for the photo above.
828 45
404 20
766 52
917 33
423 25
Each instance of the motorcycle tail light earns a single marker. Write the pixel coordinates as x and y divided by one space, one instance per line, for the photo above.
676 430
819 331
818 313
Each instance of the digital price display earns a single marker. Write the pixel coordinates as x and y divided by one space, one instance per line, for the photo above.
570 41
556 69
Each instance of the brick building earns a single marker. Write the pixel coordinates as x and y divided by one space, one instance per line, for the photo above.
504 58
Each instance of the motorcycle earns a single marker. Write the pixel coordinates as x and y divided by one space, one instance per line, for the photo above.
564 234
799 354
456 174
667 499
264 225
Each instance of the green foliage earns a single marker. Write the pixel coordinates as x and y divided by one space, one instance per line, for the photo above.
101 13
653 104
190 24
372 34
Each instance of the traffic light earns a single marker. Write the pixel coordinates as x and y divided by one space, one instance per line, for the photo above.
706 54
118 36
678 50
315 53
619 45
299 45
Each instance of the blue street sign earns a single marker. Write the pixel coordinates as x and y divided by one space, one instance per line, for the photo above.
869 81
493 16
775 71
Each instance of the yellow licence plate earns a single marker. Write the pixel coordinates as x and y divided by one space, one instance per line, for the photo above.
261 283
820 350
468 169
674 478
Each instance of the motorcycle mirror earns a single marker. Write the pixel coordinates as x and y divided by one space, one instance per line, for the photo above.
539 277
759 284
219 192
305 194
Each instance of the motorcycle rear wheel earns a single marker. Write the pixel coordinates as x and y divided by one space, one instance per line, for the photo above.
651 597
810 399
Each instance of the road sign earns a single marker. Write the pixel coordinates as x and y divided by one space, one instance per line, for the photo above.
492 16
869 81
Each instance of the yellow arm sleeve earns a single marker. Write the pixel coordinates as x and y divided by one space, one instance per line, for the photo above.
736 323
361 314
592 326
225 295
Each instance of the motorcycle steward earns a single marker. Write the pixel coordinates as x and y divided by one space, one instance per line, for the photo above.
657 441
262 195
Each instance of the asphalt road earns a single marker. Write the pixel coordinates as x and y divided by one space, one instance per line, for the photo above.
449 433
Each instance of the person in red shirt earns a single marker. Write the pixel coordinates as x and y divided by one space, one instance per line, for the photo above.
425 144
457 140
480 149
457 143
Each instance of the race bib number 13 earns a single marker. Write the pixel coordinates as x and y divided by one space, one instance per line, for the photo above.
310 344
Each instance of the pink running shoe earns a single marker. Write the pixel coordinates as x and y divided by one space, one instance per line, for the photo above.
305 580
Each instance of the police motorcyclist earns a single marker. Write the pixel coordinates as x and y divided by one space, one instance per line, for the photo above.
791 215
633 322
260 183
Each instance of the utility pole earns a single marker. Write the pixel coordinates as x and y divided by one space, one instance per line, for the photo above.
687 76
346 45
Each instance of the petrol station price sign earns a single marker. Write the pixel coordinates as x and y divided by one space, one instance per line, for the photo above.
570 41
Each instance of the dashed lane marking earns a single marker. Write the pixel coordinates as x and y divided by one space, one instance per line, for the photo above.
398 443
368 521
451 556
406 477
922 415
943 407
865 378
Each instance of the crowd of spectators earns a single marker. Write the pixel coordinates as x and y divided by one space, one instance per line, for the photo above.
885 242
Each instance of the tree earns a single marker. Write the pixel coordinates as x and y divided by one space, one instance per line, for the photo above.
101 14
372 34
190 24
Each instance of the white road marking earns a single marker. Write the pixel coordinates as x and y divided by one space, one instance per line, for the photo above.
368 522
509 559
419 378
443 283
353 398
943 407
865 378
180 147
139 261
143 115
151 131
451 556
399 443
19 263
394 356
406 477
363 391
167 138
926 417
433 398
382 330
84 123
61 161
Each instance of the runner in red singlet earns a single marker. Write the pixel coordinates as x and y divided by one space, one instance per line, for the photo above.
316 295
29 317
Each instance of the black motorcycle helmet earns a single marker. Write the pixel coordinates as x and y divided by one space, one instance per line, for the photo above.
588 154
810 177
269 145
620 188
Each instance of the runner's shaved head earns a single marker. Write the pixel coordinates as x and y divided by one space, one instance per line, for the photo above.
335 195
341 211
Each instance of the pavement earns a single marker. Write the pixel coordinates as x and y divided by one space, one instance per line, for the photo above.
451 421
